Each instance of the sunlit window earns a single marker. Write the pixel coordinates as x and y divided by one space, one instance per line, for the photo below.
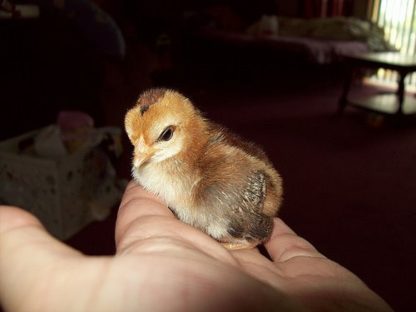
398 18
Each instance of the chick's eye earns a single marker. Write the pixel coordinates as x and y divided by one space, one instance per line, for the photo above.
166 134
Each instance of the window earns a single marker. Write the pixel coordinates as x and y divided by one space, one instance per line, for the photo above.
398 18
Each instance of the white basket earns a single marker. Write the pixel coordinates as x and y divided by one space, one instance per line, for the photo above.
64 193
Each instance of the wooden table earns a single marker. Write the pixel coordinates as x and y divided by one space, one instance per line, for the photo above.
388 103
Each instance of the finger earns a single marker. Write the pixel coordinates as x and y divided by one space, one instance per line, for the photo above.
26 252
137 203
142 215
134 191
146 224
284 244
21 231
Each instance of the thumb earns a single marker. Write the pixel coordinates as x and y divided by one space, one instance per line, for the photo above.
26 252
21 233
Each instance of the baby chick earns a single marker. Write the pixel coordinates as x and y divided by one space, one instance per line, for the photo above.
209 177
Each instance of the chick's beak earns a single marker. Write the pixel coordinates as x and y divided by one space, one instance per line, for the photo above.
142 153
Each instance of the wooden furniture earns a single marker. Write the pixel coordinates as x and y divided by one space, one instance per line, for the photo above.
387 103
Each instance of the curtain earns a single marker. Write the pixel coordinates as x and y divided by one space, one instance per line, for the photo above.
327 8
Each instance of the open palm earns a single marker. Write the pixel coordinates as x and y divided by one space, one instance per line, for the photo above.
162 264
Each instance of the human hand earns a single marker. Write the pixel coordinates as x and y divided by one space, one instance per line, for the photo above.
162 264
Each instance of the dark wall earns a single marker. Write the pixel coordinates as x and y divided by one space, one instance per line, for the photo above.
288 8
46 67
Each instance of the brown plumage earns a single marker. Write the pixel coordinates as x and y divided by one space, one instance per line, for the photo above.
209 177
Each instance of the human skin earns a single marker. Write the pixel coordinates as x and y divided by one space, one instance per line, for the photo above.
162 264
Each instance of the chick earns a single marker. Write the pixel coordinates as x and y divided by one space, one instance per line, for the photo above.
209 177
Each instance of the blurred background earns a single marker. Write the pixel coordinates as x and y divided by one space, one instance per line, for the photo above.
270 70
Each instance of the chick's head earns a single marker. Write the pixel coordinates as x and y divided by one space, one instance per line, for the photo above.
161 125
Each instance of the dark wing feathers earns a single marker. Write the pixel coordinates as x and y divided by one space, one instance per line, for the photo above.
241 202
255 191
248 222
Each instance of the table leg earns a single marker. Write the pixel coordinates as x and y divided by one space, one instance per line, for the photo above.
401 92
343 101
